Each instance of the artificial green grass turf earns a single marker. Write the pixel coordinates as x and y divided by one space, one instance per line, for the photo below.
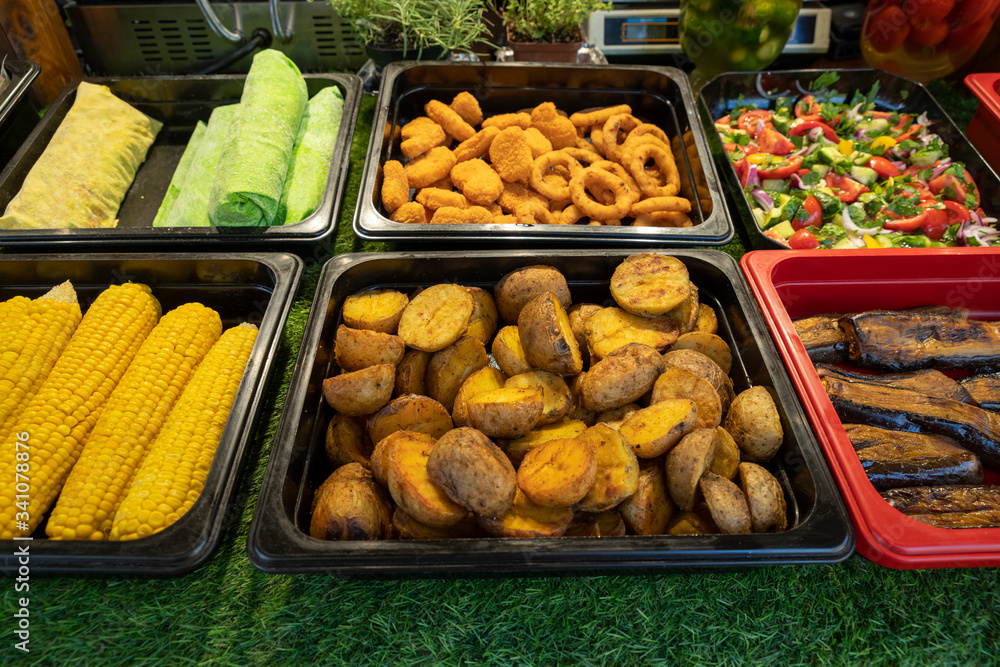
229 613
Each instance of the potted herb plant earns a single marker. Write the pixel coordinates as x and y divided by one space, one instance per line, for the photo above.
548 30
414 29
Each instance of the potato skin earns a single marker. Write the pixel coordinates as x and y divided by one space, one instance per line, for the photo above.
518 287
648 511
505 413
547 337
755 424
448 368
346 442
360 392
349 506
411 412
709 344
726 503
685 465
355 349
473 471
558 473
411 486
621 377
411 372
765 497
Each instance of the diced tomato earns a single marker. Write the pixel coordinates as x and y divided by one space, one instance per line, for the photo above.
774 142
808 108
971 187
806 125
906 224
848 190
802 240
734 149
887 29
723 121
955 212
810 214
742 168
748 120
775 236
910 132
783 170
935 223
803 172
904 121
949 187
884 168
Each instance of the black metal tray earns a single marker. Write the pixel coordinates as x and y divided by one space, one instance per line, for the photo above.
279 540
180 102
661 95
17 113
22 74
896 93
256 288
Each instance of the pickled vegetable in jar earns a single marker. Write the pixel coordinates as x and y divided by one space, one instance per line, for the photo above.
925 39
734 35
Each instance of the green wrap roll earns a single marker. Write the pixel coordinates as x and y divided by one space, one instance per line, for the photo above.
191 207
180 173
311 158
251 174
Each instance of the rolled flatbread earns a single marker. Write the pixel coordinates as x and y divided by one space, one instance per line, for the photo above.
180 173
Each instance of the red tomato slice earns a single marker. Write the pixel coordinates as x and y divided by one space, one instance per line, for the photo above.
802 240
935 223
774 142
807 125
723 121
848 189
775 236
955 212
949 187
784 170
906 224
912 130
884 168
810 214
742 168
807 107
887 29
748 120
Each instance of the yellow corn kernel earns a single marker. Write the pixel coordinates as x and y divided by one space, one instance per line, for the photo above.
33 333
12 308
48 436
132 418
171 478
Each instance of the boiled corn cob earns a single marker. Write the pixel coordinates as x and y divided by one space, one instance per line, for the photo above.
33 333
48 436
133 416
173 475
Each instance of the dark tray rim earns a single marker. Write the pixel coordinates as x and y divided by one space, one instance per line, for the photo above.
740 209
191 541
320 227
368 224
23 74
275 545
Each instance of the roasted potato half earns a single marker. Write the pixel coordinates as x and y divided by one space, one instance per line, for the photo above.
346 442
355 349
411 412
473 471
564 428
380 454
509 412
676 383
608 523
650 284
611 328
547 337
508 351
765 498
412 488
485 379
485 318
349 506
436 317
755 424
449 368
520 286
410 373
726 503
654 430
648 511
524 518
709 344
557 400
622 377
617 475
727 454
708 321
704 367
558 473
686 313
374 309
685 465
360 392
405 527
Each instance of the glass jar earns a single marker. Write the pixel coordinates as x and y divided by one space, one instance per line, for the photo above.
925 39
734 35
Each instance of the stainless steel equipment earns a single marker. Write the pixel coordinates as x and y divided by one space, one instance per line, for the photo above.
158 37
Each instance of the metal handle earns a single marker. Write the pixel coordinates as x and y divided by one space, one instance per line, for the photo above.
283 32
235 36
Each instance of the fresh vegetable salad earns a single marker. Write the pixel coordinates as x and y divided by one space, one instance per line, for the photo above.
825 174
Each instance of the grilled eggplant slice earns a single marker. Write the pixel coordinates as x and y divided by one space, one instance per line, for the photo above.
905 410
822 337
894 459
929 381
958 506
984 389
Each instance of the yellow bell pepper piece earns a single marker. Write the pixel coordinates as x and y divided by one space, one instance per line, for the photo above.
871 242
885 143
757 158
846 146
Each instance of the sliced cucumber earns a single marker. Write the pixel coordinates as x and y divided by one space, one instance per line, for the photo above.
864 175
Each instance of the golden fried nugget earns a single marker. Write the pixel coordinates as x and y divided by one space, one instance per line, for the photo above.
435 198
410 212
467 106
431 135
477 181
537 142
557 128
474 215
443 183
395 186
476 146
511 155
415 127
505 120
515 193
449 119
433 165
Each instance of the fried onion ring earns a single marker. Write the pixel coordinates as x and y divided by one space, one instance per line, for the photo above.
598 116
654 204
530 212
663 219
664 161
622 173
594 177
615 130
582 155
544 166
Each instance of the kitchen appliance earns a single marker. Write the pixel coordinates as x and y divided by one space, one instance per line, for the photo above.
159 37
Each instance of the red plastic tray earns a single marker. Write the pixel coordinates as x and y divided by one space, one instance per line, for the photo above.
984 130
793 284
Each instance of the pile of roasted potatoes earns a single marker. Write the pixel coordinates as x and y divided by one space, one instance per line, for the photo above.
461 413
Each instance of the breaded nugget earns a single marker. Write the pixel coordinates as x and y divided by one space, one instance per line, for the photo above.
433 165
443 183
449 119
537 142
511 155
477 181
477 146
467 106
410 212
505 120
395 186
435 198
515 193
429 136
474 215
415 127
557 129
